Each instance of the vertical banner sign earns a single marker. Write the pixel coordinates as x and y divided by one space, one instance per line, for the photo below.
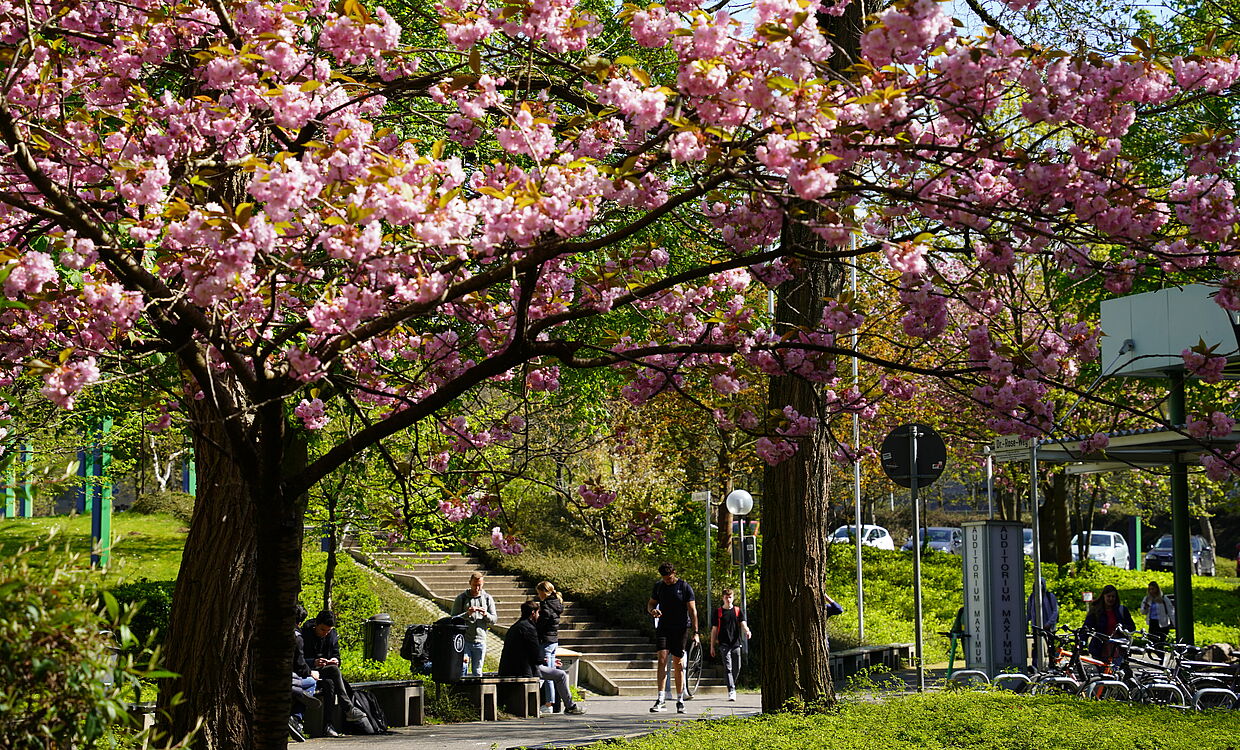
10 491
100 493
994 586
25 493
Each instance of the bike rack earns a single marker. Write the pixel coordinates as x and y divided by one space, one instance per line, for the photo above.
1214 697
1055 685
968 677
1101 689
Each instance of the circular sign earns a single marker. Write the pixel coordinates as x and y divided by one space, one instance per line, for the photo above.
897 456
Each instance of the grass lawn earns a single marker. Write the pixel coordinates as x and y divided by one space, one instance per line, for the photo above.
143 546
995 721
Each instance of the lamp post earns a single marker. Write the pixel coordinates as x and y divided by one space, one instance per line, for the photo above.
739 504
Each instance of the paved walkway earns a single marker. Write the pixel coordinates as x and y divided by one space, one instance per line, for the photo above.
606 717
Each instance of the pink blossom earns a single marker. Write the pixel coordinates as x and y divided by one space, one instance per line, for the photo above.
506 544
32 271
1205 366
1094 443
775 451
313 413
62 384
544 379
595 496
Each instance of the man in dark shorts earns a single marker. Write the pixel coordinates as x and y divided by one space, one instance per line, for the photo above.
676 621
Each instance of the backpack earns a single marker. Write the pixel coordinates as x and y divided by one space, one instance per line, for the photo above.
414 647
373 722
736 612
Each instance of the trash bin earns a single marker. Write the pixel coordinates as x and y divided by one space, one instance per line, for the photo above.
375 634
447 647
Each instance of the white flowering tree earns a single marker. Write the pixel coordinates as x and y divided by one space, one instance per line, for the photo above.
290 206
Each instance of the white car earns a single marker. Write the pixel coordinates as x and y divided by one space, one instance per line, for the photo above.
871 536
1028 540
1106 547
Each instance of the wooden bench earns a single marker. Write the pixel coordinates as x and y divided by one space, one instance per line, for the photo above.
517 696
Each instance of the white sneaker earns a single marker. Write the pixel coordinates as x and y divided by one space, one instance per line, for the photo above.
658 707
731 695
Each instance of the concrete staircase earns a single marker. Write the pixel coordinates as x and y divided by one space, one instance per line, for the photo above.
614 661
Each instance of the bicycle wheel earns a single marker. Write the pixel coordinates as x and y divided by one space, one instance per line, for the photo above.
693 667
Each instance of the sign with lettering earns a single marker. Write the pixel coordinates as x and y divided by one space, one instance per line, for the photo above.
1010 448
994 599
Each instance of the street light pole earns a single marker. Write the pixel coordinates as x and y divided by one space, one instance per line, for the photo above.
739 504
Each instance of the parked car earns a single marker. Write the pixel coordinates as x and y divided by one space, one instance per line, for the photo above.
1028 539
1160 558
941 539
1106 547
871 536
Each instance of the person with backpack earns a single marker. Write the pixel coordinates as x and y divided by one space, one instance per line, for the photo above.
674 607
728 632
322 653
477 607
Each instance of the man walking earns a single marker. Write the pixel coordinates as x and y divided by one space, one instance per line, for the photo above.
523 656
478 609
727 628
674 608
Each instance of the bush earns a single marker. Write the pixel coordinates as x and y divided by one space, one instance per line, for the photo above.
353 601
61 683
171 502
152 607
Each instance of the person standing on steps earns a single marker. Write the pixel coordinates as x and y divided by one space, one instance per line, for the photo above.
674 608
478 609
550 608
727 629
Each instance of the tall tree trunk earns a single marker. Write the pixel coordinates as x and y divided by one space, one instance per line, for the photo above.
723 518
795 664
209 648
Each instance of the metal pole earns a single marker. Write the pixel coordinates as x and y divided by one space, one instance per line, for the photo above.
744 604
990 485
921 668
1181 549
1039 618
708 556
1140 558
857 476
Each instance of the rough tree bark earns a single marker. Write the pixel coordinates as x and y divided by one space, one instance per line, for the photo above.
795 663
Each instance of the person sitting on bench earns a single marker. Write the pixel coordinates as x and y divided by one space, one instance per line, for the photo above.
304 678
323 654
523 656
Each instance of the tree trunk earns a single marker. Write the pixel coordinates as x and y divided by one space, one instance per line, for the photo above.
795 663
723 518
209 648
233 660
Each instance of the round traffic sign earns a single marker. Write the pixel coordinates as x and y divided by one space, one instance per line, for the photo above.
897 456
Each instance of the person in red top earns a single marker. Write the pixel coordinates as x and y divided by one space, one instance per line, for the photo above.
1106 615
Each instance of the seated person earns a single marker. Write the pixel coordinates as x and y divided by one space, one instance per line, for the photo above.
322 653
523 656
304 678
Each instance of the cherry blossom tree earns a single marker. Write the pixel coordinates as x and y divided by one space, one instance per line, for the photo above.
294 207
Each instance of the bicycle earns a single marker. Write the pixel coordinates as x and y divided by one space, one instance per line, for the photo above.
693 667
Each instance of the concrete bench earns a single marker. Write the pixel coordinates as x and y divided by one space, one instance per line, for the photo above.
851 661
403 701
517 696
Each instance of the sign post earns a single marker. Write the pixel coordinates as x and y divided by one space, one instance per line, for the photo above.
913 455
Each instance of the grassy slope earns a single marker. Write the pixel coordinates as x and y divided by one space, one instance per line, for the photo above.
143 546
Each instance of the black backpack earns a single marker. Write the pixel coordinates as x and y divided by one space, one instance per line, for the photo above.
373 722
414 647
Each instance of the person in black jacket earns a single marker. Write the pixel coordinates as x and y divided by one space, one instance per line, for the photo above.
550 608
523 656
322 651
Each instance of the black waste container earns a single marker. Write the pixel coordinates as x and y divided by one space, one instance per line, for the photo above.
447 647
375 635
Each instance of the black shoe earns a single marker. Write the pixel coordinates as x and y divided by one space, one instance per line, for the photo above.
330 731
680 707
296 730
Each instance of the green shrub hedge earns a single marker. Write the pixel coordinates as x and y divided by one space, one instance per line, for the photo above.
935 721
152 601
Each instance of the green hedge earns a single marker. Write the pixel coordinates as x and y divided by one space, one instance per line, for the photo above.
153 600
995 721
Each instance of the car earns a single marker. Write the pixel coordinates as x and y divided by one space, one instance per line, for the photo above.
871 536
1106 547
1160 557
1028 540
942 539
